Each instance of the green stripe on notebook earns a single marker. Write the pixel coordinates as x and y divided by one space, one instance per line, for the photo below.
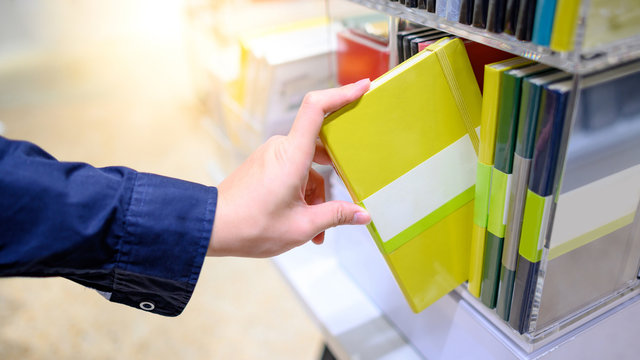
483 187
428 221
531 225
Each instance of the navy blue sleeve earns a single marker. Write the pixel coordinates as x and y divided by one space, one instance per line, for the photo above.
140 239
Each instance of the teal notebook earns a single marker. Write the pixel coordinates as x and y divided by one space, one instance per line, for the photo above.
543 22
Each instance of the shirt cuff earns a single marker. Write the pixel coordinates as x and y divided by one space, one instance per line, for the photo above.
167 228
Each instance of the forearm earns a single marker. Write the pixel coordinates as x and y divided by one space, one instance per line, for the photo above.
136 236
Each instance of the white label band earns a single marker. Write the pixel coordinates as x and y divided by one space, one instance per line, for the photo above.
423 189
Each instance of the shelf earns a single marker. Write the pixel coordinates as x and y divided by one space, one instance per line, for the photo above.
594 60
362 313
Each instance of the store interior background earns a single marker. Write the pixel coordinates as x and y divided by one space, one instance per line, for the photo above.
130 82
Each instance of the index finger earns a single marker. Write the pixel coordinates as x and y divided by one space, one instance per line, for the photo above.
318 103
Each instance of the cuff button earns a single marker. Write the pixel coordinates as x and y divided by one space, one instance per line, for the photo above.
147 306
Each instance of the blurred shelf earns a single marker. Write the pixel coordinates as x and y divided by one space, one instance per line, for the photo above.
572 62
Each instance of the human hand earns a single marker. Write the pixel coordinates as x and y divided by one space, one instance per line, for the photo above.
275 201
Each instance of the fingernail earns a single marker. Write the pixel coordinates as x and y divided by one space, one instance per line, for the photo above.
361 218
363 81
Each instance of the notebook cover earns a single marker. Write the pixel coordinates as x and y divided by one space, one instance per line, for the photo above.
511 16
479 18
406 41
420 43
466 12
421 234
495 15
526 14
543 22
424 44
431 6
402 33
410 34
564 25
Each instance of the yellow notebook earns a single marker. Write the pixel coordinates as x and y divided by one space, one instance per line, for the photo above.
407 152
564 25
490 105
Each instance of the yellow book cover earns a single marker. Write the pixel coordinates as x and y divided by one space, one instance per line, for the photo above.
407 152
489 120
564 25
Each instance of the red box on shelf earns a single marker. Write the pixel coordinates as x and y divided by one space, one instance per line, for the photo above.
360 57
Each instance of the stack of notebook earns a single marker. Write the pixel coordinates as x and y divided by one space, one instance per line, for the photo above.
533 210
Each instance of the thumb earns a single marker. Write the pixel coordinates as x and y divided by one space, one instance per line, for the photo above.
334 213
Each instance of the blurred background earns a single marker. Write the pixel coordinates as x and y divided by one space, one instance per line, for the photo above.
181 88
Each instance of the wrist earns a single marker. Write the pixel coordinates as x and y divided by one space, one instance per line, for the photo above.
234 231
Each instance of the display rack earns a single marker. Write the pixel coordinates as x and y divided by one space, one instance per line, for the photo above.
356 326
579 63
573 62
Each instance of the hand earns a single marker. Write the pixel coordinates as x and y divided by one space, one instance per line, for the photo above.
275 201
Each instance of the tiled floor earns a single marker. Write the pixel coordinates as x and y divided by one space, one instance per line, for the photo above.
110 108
